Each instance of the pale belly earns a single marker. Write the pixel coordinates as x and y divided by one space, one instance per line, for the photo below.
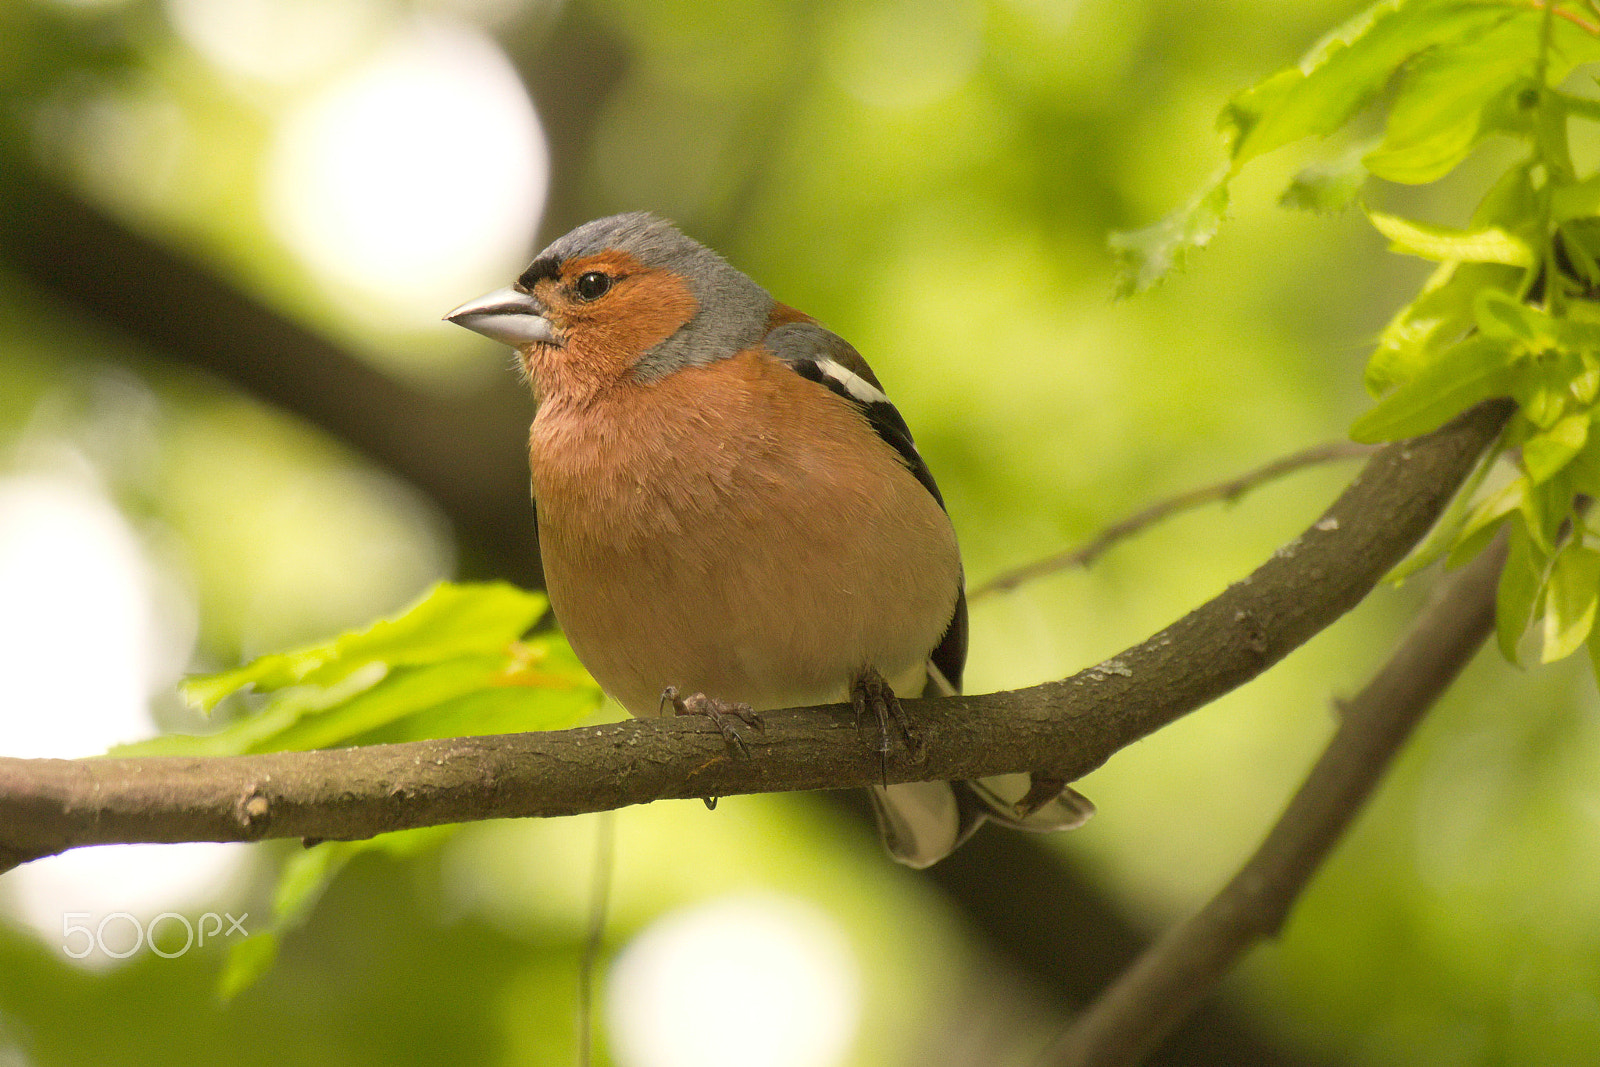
738 618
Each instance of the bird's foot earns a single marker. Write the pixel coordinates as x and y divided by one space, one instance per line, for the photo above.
871 691
720 712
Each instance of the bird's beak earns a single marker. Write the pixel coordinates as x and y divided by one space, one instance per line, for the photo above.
508 316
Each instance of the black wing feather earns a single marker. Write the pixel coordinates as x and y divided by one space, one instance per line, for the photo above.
803 345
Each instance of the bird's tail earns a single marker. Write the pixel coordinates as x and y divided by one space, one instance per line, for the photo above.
923 822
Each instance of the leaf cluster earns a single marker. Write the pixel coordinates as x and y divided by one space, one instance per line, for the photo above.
458 661
1511 308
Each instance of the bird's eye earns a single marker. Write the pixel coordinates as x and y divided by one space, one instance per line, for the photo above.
592 285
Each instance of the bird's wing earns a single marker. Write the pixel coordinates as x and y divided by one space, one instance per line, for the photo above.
822 356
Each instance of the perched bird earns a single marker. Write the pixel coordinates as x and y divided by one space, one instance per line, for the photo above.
729 507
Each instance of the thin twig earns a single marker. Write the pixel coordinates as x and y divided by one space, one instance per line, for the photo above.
1161 987
605 852
1548 6
1229 491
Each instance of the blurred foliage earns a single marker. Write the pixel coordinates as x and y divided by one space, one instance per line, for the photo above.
935 181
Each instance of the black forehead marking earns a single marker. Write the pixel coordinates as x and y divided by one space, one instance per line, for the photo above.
543 267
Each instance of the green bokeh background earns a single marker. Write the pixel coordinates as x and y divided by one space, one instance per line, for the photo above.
934 180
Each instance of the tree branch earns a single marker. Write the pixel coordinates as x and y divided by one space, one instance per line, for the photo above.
1064 729
1181 968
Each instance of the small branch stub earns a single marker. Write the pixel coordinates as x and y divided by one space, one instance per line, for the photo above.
253 812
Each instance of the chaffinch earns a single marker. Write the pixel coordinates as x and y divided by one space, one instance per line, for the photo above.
730 507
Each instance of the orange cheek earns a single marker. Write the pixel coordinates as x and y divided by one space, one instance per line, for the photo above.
641 313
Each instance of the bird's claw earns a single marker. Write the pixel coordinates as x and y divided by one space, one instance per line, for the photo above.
871 690
718 711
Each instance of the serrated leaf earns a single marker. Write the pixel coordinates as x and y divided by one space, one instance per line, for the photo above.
1439 115
536 684
1474 370
451 665
1147 255
406 692
1520 583
449 620
1571 595
255 732
1343 71
1548 451
1490 244
1256 120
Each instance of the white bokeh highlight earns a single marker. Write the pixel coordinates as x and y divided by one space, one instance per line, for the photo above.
79 647
278 41
86 636
416 176
740 981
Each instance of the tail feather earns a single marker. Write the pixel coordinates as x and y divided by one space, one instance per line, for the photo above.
1002 794
923 822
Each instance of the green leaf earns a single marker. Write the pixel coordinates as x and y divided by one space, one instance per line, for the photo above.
1451 525
1518 592
1486 517
536 684
1585 467
256 732
1269 114
1578 335
1541 389
1545 510
1439 317
1548 451
1594 652
1474 370
1439 115
1147 255
450 620
1343 71
1578 201
1512 202
1580 239
1490 244
451 665
304 878
1505 319
1570 599
405 693
247 961
1329 184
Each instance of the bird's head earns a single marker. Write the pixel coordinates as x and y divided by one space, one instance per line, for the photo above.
627 296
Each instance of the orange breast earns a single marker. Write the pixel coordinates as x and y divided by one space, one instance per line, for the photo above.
685 543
